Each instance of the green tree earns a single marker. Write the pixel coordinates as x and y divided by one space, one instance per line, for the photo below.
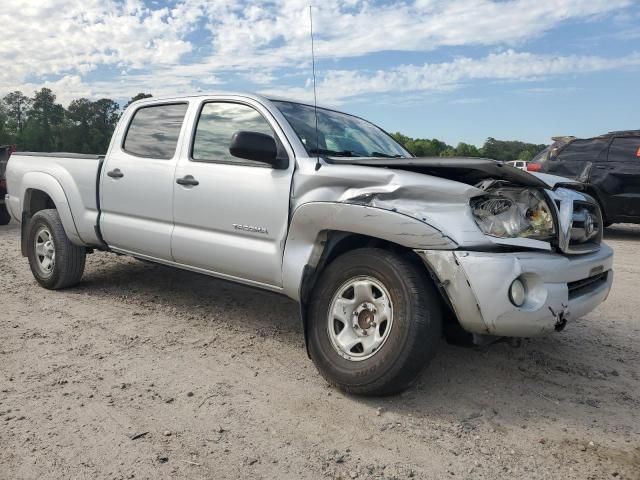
467 150
449 152
45 130
526 155
79 115
5 137
507 150
137 97
91 125
17 104
105 116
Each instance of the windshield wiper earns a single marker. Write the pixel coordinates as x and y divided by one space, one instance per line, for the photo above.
385 155
335 153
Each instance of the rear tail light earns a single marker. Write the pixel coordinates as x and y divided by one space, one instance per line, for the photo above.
638 152
534 167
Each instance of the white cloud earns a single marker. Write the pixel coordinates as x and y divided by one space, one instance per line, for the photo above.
42 38
275 33
118 48
509 65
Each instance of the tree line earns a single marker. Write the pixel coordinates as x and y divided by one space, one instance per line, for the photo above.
504 150
40 124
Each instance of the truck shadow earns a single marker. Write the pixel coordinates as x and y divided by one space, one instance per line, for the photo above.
573 378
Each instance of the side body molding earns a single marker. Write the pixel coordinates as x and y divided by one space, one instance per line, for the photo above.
49 185
310 221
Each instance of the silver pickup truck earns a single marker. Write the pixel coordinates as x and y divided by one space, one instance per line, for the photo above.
383 251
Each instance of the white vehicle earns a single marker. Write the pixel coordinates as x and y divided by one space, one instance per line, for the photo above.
381 250
520 164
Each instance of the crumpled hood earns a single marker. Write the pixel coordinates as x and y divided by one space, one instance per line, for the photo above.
462 169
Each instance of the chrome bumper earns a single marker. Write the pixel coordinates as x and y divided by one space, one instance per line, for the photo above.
477 284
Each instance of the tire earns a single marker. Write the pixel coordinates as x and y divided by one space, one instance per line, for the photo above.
409 340
46 239
5 217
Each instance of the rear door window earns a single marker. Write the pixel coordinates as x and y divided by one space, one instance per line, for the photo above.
625 149
153 132
584 150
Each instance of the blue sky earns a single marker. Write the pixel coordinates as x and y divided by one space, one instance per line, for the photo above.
458 70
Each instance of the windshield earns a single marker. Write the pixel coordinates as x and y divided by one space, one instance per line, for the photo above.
339 134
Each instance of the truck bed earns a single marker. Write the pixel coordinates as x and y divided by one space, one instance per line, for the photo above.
76 176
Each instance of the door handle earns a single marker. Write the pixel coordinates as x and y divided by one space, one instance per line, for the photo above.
188 180
115 173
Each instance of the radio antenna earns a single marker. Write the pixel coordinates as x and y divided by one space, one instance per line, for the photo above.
315 95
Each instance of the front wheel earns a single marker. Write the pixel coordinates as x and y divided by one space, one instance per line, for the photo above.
55 262
375 322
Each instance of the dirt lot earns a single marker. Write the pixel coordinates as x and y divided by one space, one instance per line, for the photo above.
147 372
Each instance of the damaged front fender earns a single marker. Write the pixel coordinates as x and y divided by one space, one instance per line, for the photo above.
311 221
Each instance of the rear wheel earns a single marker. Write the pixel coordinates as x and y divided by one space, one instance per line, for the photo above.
5 218
375 322
55 262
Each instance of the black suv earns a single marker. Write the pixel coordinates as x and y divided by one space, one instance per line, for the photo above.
607 165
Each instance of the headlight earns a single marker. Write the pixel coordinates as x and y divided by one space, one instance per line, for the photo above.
513 212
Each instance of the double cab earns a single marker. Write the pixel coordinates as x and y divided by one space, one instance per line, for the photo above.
383 251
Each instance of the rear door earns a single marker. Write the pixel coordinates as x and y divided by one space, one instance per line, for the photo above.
137 182
233 222
579 159
622 184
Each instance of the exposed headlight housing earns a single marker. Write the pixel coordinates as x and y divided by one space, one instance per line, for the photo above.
514 212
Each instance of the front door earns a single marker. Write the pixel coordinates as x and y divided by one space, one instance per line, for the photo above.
137 182
231 214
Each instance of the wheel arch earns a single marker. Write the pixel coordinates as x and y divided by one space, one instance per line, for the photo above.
41 191
321 232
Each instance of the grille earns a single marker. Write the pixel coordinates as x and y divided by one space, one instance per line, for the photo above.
586 285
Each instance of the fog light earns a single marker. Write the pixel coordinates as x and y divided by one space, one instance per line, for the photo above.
517 293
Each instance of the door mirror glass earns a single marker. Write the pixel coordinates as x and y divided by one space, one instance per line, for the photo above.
255 146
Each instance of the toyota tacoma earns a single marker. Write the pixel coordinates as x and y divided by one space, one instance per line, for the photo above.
383 251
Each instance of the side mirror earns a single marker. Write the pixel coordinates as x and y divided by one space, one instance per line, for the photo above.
256 146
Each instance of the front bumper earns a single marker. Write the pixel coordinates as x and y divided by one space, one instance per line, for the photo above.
559 288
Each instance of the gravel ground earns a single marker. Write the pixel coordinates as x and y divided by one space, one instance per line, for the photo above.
147 372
